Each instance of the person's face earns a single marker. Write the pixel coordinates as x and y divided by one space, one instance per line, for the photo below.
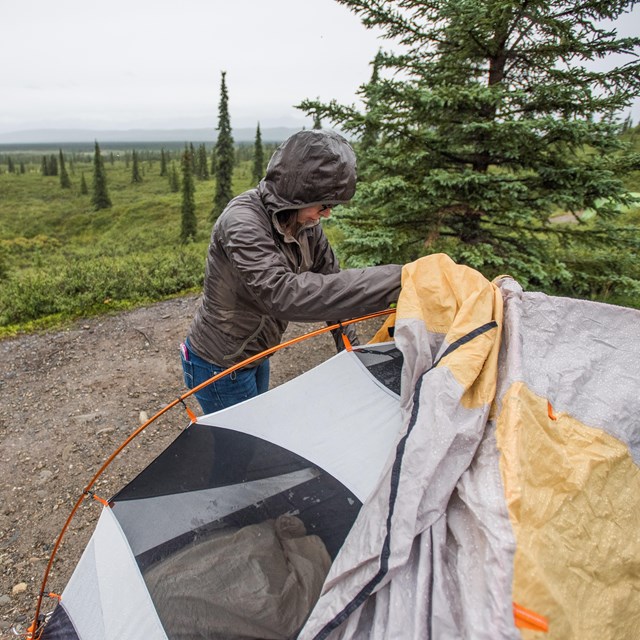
313 214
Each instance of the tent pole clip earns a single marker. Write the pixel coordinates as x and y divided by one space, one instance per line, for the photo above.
97 498
192 416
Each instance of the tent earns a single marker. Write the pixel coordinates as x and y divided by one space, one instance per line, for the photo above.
473 473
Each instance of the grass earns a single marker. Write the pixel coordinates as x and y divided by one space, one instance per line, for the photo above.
60 259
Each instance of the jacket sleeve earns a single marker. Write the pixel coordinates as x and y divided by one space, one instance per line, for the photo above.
257 260
325 261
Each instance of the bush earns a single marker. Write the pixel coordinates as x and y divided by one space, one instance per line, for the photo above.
87 287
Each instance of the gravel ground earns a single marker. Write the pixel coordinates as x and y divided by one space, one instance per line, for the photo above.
68 399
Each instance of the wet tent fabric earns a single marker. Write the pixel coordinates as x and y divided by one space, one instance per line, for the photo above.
489 455
430 554
568 429
514 477
231 530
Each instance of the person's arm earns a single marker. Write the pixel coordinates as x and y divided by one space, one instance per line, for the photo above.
326 261
303 297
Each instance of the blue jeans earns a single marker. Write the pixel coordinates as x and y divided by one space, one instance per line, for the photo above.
233 388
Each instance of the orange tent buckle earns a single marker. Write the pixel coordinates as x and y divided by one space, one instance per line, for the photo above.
526 619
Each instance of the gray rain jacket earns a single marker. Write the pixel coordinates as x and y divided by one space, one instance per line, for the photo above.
258 276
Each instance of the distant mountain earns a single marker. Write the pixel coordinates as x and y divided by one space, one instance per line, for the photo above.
67 136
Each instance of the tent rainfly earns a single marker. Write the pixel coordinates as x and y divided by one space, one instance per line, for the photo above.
472 473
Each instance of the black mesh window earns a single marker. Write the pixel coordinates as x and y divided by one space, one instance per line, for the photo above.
384 362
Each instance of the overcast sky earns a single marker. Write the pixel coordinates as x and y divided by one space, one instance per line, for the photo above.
122 64
157 63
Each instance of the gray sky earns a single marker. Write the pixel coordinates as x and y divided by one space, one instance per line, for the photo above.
125 64
157 63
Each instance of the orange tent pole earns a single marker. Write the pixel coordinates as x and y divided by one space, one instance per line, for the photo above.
34 632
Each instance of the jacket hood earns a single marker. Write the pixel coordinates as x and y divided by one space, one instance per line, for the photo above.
311 167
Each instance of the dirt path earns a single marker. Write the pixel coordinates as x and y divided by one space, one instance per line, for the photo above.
67 400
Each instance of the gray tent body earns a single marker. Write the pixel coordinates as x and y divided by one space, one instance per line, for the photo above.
415 494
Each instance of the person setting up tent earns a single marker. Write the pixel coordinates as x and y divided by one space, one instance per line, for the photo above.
269 262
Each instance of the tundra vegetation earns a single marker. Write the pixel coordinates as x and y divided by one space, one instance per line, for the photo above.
63 258
486 135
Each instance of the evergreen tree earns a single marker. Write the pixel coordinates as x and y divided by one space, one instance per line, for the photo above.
83 185
174 180
258 157
225 154
23 169
10 165
491 123
112 159
163 163
100 198
317 122
136 176
371 128
65 181
194 159
44 166
213 161
203 168
53 165
188 225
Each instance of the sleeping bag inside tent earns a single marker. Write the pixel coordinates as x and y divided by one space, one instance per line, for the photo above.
471 474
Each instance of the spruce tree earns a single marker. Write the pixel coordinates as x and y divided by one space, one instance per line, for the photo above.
225 154
213 161
44 166
10 165
53 165
136 176
371 128
258 157
163 163
317 122
188 225
23 169
83 185
100 198
203 168
174 180
194 159
65 181
490 120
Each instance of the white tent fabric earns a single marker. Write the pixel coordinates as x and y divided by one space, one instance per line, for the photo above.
430 553
106 597
336 415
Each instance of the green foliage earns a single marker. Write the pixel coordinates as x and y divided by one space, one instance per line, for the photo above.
60 259
163 163
100 198
84 190
258 157
136 176
225 154
65 181
189 223
484 127
98 285
174 180
202 168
